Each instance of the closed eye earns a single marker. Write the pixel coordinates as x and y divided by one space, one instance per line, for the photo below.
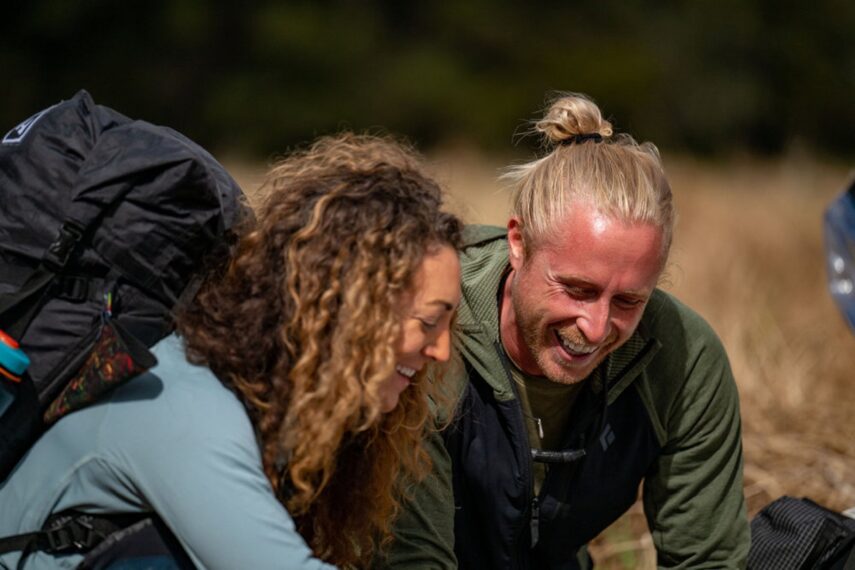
581 293
628 302
427 324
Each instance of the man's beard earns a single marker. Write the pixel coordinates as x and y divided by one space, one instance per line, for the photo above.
533 332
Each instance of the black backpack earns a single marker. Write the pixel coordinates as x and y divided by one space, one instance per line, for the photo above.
104 221
799 534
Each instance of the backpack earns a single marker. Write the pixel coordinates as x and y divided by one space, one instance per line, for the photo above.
799 534
104 221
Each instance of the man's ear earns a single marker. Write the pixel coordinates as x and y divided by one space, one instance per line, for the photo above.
516 245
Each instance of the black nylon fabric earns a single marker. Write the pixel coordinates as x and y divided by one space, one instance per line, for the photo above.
39 167
159 198
490 452
171 211
146 544
797 534
151 205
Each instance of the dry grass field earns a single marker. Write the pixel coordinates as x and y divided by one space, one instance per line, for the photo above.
748 256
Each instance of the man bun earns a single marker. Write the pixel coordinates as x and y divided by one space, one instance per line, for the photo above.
585 161
569 116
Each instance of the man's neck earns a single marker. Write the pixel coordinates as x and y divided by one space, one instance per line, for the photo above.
510 333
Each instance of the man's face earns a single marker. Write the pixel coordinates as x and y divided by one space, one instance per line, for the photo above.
579 294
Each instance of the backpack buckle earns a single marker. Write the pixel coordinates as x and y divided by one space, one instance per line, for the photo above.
76 535
58 253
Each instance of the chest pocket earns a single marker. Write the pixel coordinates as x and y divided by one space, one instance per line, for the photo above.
580 500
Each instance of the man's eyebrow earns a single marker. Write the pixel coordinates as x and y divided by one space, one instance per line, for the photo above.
574 281
638 293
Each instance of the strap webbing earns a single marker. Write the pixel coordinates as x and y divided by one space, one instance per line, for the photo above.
18 309
17 542
67 532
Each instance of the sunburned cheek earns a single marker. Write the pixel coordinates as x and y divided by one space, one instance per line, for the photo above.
556 311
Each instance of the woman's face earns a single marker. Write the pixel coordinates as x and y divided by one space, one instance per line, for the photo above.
426 328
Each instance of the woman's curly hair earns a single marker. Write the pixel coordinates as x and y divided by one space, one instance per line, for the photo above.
302 322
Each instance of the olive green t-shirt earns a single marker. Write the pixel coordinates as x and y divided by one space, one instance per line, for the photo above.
547 407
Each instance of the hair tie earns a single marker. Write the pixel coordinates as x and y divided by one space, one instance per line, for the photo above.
596 137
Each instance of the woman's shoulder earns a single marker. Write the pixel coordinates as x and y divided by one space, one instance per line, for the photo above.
178 398
176 378
172 363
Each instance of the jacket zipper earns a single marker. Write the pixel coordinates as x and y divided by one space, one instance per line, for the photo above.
534 521
574 433
533 510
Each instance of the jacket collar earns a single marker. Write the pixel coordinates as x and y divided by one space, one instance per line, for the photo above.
484 263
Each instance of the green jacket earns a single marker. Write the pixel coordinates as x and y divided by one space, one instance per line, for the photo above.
670 418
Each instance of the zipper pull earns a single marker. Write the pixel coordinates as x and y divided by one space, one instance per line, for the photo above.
535 521
539 427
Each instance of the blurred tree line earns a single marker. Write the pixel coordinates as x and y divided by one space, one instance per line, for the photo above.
258 76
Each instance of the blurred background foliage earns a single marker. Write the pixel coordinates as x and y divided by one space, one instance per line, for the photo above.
255 77
763 87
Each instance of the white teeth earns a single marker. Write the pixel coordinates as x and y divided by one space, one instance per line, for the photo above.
578 349
408 372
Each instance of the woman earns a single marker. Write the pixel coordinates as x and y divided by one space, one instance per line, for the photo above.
296 388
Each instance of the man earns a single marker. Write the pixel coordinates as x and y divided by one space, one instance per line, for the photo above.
579 379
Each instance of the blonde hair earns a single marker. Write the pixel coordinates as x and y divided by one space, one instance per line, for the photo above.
302 322
588 163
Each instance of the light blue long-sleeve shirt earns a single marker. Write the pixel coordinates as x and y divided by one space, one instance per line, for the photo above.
175 441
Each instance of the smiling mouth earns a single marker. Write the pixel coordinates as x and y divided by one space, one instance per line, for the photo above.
576 350
405 371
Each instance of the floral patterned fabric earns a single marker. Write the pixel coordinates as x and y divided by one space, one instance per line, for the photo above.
109 364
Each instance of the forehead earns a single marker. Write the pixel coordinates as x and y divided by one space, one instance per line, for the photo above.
590 245
437 280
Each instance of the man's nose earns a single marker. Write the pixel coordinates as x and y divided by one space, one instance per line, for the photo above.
595 324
